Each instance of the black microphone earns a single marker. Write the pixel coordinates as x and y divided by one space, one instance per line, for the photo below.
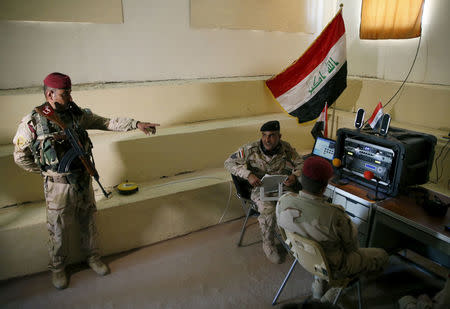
369 175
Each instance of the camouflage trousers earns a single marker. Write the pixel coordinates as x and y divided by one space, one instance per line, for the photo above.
363 261
67 203
266 219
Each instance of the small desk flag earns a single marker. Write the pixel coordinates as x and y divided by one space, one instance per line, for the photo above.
376 116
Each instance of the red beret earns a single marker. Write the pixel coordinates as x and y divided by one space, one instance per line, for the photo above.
58 81
317 169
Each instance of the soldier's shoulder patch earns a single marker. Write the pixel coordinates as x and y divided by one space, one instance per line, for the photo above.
238 154
241 153
21 142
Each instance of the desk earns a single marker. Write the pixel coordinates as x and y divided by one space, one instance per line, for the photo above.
394 223
401 223
353 197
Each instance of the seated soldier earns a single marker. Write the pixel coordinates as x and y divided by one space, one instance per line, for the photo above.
311 216
271 156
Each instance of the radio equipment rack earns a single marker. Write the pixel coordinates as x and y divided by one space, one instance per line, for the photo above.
401 158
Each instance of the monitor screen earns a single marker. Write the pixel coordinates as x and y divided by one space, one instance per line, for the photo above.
324 147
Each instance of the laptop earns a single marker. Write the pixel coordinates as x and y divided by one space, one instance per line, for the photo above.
324 147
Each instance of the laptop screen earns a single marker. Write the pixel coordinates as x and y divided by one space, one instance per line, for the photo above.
324 147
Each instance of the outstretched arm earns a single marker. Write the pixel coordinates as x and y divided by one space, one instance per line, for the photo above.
90 120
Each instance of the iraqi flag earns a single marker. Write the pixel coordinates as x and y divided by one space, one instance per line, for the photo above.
318 76
321 126
376 116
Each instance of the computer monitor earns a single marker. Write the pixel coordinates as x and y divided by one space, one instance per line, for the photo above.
324 147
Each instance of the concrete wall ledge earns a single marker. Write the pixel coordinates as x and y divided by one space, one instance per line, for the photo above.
160 210
133 156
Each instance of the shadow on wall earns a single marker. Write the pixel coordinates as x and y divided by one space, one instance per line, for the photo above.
148 159
214 101
347 101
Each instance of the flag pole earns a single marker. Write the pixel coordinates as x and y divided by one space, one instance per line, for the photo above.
334 105
332 119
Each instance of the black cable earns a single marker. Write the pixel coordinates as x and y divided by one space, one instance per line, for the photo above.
414 61
403 83
443 159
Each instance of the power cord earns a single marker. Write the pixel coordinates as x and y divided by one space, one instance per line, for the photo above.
404 81
443 160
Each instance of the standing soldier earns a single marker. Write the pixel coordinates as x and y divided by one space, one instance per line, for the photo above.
270 155
41 146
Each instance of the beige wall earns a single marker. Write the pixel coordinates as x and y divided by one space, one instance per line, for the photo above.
168 103
156 42
392 59
92 11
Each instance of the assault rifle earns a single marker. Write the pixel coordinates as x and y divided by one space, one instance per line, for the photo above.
48 112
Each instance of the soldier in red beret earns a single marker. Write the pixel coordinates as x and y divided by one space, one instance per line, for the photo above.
41 146
310 215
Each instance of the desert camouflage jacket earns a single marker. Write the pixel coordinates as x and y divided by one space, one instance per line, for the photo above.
30 131
314 218
251 159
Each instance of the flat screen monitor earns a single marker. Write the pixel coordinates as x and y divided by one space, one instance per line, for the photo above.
324 147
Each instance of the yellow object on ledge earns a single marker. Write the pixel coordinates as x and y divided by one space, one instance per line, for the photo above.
127 188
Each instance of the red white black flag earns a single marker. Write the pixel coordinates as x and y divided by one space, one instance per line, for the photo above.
376 116
318 76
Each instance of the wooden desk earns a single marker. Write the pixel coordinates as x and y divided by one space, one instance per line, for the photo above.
401 223
394 223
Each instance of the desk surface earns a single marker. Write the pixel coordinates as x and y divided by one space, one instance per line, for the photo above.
406 209
356 190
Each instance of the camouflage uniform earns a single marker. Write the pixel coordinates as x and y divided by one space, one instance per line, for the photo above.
313 217
250 159
40 146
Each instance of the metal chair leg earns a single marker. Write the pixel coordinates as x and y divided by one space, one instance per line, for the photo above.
337 296
284 282
358 286
244 226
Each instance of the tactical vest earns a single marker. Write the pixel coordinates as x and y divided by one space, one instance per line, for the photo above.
51 146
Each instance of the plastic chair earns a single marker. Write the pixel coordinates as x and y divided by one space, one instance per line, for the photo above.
243 192
311 256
